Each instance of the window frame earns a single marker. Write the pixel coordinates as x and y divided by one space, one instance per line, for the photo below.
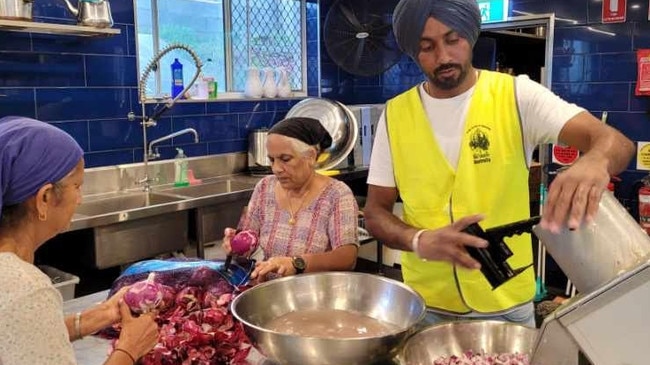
227 95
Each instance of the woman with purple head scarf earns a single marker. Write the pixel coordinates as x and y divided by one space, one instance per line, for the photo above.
41 173
473 133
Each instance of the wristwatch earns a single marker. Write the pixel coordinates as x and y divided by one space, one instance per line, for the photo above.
299 264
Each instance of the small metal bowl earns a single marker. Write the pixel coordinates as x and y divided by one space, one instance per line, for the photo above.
339 122
387 300
455 338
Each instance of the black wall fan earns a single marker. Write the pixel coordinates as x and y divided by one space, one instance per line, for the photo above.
359 37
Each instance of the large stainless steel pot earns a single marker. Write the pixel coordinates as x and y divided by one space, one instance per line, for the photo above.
16 9
258 159
600 251
378 297
455 338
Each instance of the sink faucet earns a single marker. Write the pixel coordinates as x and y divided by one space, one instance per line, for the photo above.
150 121
153 155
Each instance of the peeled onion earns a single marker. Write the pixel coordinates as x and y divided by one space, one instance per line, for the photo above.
243 242
145 296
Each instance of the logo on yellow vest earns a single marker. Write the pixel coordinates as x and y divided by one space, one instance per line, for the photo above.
479 142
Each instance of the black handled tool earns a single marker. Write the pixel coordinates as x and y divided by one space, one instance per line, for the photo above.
493 258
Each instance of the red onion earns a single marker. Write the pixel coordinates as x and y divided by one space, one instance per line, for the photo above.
472 358
145 296
198 328
243 242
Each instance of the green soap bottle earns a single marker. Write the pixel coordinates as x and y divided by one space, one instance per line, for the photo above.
180 169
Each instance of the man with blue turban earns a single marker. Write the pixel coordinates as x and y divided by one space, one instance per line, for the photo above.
456 150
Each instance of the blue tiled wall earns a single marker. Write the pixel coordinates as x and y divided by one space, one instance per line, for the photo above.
594 70
86 86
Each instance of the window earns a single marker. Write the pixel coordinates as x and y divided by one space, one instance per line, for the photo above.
228 35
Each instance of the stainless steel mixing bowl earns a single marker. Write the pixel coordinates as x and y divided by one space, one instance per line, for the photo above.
454 338
375 296
339 121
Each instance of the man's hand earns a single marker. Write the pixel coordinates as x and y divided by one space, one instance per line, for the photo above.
448 243
574 195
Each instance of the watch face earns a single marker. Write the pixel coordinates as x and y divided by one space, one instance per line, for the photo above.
299 264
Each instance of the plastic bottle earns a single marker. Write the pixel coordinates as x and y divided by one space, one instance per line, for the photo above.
212 87
177 78
180 169
202 88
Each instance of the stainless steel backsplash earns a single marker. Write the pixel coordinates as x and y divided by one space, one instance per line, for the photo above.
107 179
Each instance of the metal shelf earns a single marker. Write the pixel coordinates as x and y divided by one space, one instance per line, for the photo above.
50 28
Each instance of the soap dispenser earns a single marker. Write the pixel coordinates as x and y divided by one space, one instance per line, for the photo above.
180 169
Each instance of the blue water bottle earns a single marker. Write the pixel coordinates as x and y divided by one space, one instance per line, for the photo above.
177 78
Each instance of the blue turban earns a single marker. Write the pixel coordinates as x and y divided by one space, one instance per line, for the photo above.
32 154
410 16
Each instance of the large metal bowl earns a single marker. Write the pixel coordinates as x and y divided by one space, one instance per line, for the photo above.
378 297
339 122
454 338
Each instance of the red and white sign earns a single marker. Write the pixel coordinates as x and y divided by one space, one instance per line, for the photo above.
614 11
564 155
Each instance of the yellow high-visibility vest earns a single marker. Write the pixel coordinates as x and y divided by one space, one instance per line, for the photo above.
491 179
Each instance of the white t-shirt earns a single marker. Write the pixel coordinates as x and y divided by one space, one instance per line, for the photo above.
31 316
542 113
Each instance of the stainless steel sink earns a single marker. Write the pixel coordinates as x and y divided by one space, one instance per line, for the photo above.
120 202
210 189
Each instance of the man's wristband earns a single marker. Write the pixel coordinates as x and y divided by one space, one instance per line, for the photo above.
415 242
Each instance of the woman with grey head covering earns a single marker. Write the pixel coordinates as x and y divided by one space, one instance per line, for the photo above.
306 221
456 150
41 173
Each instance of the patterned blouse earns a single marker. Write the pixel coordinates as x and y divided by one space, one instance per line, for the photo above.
328 222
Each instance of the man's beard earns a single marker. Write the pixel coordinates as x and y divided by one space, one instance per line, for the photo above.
448 82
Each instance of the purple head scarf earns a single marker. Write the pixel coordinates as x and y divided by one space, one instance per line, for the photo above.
410 16
32 154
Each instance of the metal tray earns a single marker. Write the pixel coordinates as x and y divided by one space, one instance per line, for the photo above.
339 122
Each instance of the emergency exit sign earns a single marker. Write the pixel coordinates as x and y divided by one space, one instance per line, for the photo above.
493 10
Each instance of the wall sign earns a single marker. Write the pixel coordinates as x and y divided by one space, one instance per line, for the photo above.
643 156
614 11
564 155
493 10
643 72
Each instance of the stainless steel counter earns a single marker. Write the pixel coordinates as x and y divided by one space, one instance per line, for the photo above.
136 204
